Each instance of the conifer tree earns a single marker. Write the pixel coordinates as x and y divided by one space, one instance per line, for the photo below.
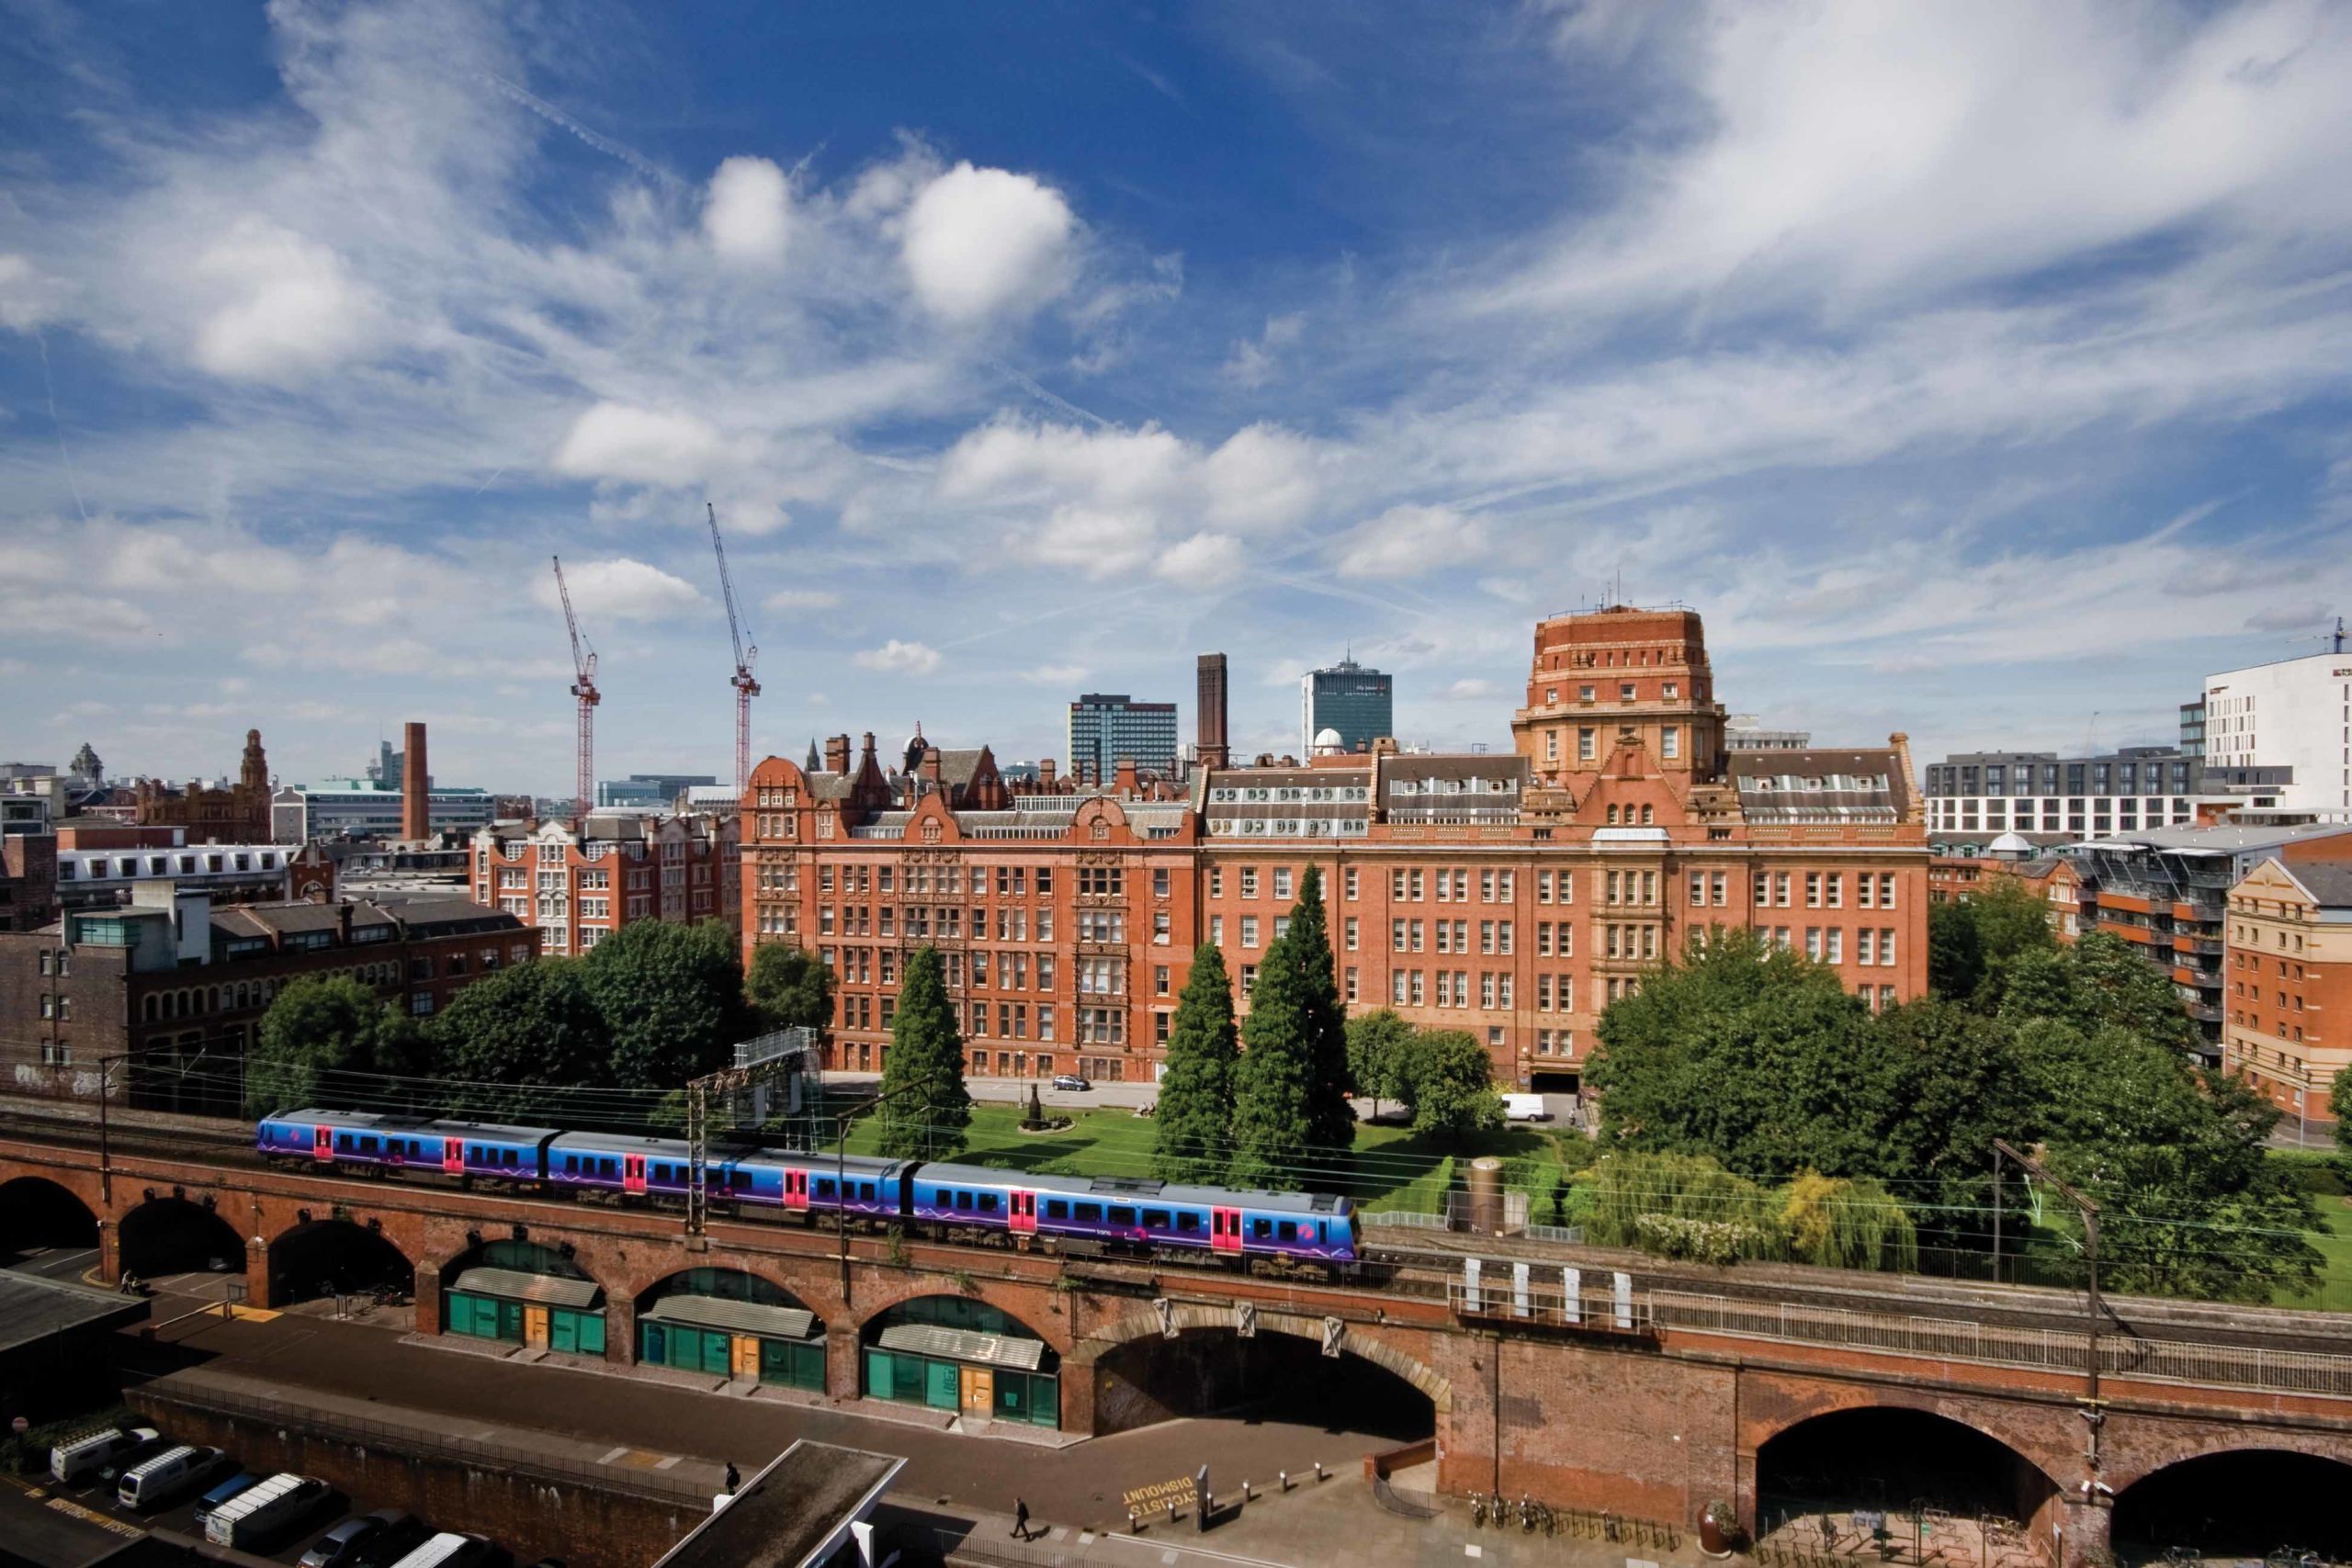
924 1070
1272 1098
1331 1122
1194 1130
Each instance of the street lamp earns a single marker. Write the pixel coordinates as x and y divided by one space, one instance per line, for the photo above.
841 1163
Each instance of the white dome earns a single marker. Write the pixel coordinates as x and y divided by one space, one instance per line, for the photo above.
2010 844
1329 737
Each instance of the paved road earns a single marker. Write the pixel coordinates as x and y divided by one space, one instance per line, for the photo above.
56 1262
1561 1108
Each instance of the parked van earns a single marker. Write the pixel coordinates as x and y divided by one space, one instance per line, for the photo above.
84 1456
264 1510
1525 1107
448 1550
166 1477
239 1482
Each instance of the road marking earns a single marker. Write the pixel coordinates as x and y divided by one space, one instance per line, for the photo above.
1474 1550
614 1455
91 1515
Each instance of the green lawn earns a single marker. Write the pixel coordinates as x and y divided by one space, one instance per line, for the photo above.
2334 1239
1389 1167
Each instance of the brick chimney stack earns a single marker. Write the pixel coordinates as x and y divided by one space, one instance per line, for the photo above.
1123 779
416 796
1046 774
837 753
1208 713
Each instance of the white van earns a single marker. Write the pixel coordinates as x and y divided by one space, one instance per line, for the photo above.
1525 1107
162 1479
73 1461
447 1550
264 1510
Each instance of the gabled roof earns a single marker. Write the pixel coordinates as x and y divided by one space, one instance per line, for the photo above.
2326 883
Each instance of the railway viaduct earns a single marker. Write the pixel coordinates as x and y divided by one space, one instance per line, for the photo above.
1649 1395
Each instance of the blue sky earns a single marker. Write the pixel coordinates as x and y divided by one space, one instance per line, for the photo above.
1979 371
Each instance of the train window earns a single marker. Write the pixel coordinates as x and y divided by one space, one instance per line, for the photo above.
964 1201
1261 1229
343 1141
988 1202
1089 1211
866 1190
572 1165
1288 1230
1057 1208
1155 1219
1122 1215
1322 1230
610 1165
1188 1222
369 1144
824 1187
512 1158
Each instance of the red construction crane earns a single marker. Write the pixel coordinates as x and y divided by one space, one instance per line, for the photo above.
747 654
584 686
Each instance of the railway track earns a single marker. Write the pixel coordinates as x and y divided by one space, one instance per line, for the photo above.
1422 1266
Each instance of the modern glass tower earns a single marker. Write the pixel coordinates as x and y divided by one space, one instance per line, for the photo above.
1107 727
1357 703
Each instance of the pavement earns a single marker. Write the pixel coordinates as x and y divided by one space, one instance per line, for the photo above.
953 1480
1125 1096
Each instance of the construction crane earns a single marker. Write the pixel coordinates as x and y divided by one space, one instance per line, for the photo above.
584 686
2335 639
747 654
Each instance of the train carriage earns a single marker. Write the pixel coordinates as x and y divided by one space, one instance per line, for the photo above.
406 1146
800 1182
614 1167
1152 1217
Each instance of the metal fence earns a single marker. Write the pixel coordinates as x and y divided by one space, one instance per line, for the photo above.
1956 1339
426 1442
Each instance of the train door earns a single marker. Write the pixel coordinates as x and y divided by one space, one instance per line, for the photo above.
322 1142
453 1156
633 1174
1224 1230
1022 1216
534 1327
796 1189
978 1391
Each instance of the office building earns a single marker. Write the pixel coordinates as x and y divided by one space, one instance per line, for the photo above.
1110 727
643 792
1512 895
1345 708
1975 796
2295 714
2192 728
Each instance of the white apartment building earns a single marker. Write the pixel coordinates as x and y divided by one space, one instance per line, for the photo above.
2296 713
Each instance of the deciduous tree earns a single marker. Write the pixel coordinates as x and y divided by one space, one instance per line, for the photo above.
1379 1055
788 988
673 1000
1453 1088
509 1037
322 1043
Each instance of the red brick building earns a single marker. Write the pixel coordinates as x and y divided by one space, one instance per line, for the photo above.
236 815
1514 896
179 986
580 885
2290 968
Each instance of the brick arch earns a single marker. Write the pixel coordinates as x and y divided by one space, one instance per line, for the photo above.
395 1237
83 1184
812 1303
1145 1324
1048 1325
2132 1465
2046 1438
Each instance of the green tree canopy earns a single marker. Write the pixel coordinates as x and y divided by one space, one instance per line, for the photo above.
1955 950
530 1027
1752 1054
673 1000
318 1034
1193 1129
1452 1084
925 1107
789 987
1380 1047
1274 1092
1323 1018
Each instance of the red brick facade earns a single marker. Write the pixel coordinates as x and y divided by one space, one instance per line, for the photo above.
579 886
1514 896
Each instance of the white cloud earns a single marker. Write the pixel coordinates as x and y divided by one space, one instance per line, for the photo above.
1097 541
1252 360
1056 675
26 299
983 241
1470 687
614 441
620 589
801 599
747 216
898 658
1205 560
1012 459
288 305
1263 477
1405 541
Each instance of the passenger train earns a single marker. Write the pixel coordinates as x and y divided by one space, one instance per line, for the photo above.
960 1202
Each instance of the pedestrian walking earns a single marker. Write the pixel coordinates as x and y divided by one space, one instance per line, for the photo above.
1020 1519
734 1481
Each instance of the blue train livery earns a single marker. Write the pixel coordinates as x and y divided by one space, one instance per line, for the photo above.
406 1145
1313 1226
796 1182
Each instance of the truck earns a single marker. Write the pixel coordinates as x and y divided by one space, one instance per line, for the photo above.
265 1511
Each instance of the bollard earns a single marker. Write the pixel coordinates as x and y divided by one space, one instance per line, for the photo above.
1319 1472
1245 1489
1135 1522
1172 1510
1282 1478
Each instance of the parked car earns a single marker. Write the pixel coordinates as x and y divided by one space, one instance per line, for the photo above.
1070 1080
80 1458
448 1551
361 1536
402 1534
223 1493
